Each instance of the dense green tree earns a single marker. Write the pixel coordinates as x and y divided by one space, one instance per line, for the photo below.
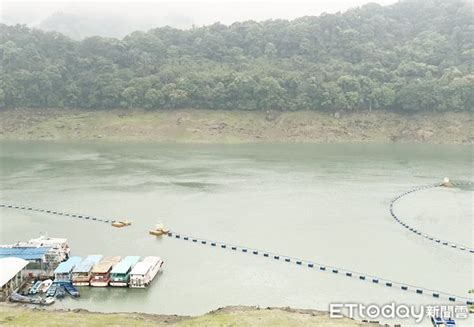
414 55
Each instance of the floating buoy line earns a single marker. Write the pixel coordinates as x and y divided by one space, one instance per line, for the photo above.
58 213
297 261
322 268
416 231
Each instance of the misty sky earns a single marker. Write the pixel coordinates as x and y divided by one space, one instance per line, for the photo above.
178 13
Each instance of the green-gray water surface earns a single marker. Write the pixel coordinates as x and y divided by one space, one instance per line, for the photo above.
327 203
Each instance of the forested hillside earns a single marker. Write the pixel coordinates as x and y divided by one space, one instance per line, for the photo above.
411 56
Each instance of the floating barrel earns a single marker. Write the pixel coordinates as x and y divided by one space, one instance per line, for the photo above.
419 291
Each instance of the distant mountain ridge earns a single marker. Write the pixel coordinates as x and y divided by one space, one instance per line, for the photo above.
415 55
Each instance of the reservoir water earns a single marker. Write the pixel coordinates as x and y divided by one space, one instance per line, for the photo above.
327 203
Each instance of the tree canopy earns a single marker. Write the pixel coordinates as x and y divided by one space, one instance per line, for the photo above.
414 55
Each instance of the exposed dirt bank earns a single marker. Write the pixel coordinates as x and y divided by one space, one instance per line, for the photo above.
209 126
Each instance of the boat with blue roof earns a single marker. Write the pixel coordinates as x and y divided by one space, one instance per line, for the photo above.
120 274
64 271
82 273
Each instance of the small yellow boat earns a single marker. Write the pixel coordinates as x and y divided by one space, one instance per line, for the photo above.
159 230
121 223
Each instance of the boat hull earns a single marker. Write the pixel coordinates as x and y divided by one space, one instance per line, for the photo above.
99 283
118 284
80 283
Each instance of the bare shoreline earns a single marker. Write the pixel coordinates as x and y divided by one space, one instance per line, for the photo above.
233 127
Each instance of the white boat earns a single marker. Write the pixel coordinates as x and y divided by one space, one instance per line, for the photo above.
45 285
144 272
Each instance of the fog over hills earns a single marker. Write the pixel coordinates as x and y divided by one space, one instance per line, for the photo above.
118 18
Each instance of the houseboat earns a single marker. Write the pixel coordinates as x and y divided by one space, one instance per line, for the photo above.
101 271
63 273
120 274
144 272
81 274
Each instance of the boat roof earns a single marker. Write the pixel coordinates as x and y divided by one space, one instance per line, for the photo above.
105 264
123 266
142 267
87 264
152 259
26 253
66 266
10 267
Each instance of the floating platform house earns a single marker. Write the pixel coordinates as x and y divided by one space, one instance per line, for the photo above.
36 257
144 272
63 273
81 274
101 271
120 274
